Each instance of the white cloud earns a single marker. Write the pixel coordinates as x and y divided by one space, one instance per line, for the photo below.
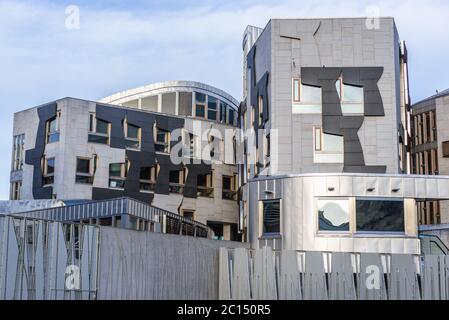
116 49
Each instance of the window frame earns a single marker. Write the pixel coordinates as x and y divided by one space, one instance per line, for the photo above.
90 175
341 94
137 140
178 188
46 174
351 215
208 190
229 194
94 132
154 172
57 132
264 234
166 144
124 168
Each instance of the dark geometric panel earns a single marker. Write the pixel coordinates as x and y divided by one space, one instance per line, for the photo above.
33 157
334 122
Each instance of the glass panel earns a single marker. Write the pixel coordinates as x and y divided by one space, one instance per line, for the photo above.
318 146
161 136
271 217
231 118
212 108
93 138
352 94
333 143
169 103
226 183
310 94
53 137
116 183
145 173
83 166
102 126
174 177
132 144
296 90
50 166
200 111
223 108
53 125
115 170
84 179
150 103
333 215
380 215
200 97
133 131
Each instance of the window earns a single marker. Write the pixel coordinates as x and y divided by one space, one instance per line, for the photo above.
15 190
48 177
188 145
379 215
333 215
232 117
185 104
148 177
132 136
18 151
260 103
200 105
162 140
446 149
177 180
229 191
52 128
351 98
205 185
306 98
117 175
168 103
271 217
188 214
223 112
85 170
328 148
267 150
212 108
150 103
98 130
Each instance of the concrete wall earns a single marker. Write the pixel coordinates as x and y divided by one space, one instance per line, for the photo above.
142 265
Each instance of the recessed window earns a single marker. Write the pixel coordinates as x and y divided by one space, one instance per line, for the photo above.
148 177
132 136
223 112
205 185
328 148
188 150
85 169
212 108
296 90
48 177
351 98
379 215
188 214
117 175
446 149
333 215
306 98
318 139
232 117
18 152
200 105
177 180
229 191
52 129
162 140
271 217
15 190
98 130
260 104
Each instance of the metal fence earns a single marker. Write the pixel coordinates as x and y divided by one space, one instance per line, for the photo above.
291 275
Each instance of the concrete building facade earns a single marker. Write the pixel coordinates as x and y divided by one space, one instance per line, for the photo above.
78 149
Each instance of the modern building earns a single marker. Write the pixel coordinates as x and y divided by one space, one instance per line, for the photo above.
147 144
431 156
328 169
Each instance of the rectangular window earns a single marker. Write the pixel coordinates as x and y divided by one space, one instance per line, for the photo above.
48 171
260 105
328 148
232 117
296 90
333 215
162 140
188 214
117 175
310 98
318 139
205 185
223 112
98 130
52 129
18 152
229 191
446 149
380 215
212 108
188 150
132 136
271 217
200 105
85 170
15 190
177 180
148 177
351 98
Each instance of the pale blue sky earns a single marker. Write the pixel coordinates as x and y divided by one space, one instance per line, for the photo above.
124 44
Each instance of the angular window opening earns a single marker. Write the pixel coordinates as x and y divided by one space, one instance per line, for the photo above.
351 98
85 170
177 179
132 136
200 105
229 191
52 129
212 108
205 185
328 148
333 215
271 217
148 178
306 98
162 140
99 130
48 171
380 215
117 175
